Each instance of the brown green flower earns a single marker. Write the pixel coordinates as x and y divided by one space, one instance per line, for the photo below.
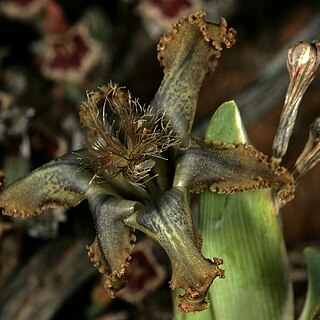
140 163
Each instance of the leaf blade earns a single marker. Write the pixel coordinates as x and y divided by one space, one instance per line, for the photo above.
312 256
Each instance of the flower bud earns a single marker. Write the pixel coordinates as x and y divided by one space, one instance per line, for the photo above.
310 155
302 62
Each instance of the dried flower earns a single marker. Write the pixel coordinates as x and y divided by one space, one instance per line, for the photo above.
140 163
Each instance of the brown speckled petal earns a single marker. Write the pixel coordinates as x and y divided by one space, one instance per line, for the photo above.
169 221
228 168
111 250
188 52
59 183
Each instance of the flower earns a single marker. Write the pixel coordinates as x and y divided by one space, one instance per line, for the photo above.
71 55
140 163
22 9
144 274
302 62
167 9
159 15
55 20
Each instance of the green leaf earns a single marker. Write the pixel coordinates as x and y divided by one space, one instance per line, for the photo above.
315 312
226 125
243 230
311 307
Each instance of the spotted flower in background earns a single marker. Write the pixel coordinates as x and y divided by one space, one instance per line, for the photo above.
159 15
22 9
144 274
140 163
167 11
70 55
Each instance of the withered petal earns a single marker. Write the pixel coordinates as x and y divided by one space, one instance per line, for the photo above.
111 251
188 52
59 183
228 168
169 221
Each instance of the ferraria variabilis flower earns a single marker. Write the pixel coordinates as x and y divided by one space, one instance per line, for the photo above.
141 162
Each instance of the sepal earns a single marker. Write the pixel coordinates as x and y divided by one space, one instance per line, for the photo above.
229 168
111 250
169 221
60 183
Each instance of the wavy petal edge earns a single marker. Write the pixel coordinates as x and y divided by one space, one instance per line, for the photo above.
226 36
